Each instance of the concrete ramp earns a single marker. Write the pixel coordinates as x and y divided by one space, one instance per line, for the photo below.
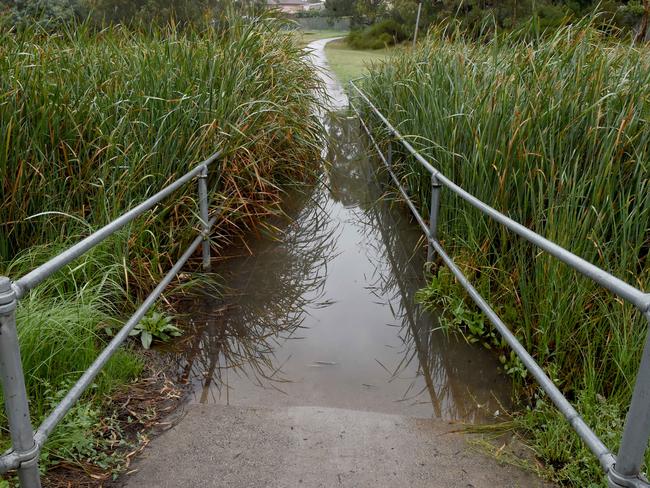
221 446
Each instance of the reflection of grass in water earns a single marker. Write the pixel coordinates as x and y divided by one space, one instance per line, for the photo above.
254 319
420 344
396 250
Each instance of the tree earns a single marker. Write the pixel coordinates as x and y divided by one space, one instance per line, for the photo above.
125 11
370 11
46 11
340 8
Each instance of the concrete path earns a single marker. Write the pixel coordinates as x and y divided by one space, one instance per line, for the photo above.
220 446
337 97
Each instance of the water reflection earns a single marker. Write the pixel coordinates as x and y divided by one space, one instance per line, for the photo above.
325 314
452 377
270 289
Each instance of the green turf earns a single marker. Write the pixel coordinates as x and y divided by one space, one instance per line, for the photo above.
348 63
307 36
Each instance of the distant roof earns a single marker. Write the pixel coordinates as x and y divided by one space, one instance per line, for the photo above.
286 2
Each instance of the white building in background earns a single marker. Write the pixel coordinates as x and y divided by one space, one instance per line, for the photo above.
316 6
295 6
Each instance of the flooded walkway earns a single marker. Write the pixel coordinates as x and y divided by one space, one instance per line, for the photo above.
316 367
324 312
325 315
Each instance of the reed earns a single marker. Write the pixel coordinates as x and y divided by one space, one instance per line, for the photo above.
94 122
553 133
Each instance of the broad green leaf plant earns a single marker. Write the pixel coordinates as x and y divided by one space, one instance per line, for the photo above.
155 326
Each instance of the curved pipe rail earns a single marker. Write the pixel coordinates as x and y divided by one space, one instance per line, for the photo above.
45 270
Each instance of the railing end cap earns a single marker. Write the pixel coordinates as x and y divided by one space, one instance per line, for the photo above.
5 284
7 295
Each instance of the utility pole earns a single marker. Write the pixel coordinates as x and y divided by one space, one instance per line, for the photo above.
417 25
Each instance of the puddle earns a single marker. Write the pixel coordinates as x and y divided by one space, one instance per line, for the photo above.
324 314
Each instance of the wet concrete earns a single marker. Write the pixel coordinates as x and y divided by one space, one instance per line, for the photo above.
316 367
337 97
293 447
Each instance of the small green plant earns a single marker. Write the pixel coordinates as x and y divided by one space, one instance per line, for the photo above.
444 295
441 294
70 441
85 436
155 326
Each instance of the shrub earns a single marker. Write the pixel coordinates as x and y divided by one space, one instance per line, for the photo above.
378 36
46 12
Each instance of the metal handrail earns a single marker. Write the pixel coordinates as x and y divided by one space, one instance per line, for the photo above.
623 470
26 445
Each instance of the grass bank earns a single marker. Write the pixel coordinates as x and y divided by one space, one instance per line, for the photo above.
304 37
94 122
348 63
554 134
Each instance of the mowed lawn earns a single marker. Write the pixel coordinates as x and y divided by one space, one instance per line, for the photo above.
306 36
348 63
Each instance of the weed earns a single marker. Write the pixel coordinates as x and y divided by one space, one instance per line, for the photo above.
155 326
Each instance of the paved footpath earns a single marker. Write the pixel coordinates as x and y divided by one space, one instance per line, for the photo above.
234 447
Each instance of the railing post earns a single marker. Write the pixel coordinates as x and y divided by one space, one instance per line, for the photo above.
625 473
14 391
203 204
433 215
389 154
417 25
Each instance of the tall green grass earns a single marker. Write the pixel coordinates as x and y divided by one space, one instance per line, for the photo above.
61 329
553 133
92 123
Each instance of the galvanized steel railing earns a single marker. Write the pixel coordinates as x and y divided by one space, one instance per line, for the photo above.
623 470
27 445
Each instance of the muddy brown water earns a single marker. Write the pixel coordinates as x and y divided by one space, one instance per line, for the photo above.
323 312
